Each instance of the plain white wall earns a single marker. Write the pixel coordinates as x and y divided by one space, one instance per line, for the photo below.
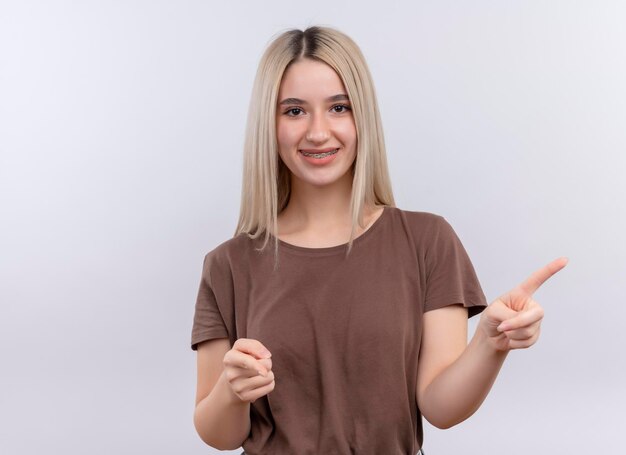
121 132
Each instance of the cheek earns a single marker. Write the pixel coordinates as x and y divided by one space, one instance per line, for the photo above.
285 139
347 132
287 134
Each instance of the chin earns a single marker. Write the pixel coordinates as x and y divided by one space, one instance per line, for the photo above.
327 180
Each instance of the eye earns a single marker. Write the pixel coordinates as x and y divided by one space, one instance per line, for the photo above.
342 108
293 112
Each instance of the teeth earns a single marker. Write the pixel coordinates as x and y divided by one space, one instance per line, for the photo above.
320 155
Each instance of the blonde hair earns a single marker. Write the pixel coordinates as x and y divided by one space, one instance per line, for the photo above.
266 179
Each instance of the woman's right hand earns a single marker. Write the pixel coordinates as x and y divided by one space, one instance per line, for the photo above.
248 369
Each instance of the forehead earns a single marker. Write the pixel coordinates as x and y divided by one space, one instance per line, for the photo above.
310 78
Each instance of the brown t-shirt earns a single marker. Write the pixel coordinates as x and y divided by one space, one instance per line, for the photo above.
344 332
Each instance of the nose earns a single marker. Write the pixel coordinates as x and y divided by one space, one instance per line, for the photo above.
318 130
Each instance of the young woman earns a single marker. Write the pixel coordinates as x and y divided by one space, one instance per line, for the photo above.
333 320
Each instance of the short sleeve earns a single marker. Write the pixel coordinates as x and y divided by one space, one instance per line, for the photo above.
208 322
450 275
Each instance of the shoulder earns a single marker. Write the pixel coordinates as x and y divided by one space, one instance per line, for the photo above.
427 230
418 221
229 247
220 259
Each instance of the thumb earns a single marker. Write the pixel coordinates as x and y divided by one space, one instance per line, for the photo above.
262 352
498 312
253 347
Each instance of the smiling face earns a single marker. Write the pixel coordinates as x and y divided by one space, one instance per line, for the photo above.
314 124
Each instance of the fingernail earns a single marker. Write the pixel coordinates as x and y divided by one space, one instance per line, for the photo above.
261 373
266 354
502 327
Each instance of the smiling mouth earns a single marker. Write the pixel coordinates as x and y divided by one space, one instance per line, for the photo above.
319 155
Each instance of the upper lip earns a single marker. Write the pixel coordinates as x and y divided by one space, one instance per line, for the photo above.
330 149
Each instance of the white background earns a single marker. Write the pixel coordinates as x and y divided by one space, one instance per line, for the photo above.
121 133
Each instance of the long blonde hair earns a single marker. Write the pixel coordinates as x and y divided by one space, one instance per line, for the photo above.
266 183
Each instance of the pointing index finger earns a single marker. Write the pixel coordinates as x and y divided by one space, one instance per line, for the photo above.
537 278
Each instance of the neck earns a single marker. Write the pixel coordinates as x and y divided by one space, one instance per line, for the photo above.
318 217
318 208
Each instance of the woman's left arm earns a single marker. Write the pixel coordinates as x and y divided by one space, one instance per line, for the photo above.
454 377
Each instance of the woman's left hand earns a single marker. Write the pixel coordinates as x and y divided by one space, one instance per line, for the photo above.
513 320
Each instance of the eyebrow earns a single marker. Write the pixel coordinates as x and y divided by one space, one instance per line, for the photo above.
340 97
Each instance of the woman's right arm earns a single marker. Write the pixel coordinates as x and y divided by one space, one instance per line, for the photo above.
222 414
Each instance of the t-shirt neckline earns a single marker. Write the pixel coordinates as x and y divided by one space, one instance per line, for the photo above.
336 248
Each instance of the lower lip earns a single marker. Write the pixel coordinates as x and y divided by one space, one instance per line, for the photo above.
319 161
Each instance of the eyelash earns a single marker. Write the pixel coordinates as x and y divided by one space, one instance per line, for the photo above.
347 108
